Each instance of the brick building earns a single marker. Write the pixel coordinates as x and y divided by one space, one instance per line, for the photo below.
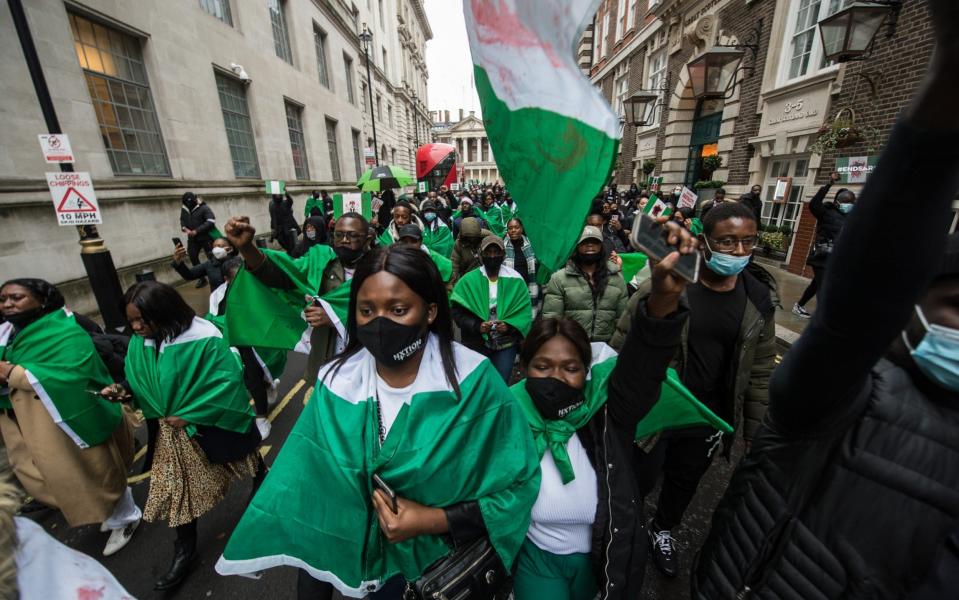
784 93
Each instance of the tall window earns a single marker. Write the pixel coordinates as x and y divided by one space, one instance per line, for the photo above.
379 108
117 81
219 9
281 37
334 153
657 74
319 40
389 113
350 86
355 17
620 19
386 70
804 52
363 96
382 18
294 122
785 212
621 88
605 40
239 128
357 153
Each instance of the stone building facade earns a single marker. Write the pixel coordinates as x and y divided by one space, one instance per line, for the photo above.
785 92
475 160
213 96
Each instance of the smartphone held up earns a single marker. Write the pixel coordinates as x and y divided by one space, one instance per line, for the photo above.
650 236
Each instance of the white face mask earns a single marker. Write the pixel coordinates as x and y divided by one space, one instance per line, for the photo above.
220 253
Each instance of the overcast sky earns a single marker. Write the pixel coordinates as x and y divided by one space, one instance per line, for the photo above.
450 84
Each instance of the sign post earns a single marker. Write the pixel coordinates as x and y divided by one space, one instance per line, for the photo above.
74 199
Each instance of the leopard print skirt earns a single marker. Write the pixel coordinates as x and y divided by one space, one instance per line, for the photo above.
183 483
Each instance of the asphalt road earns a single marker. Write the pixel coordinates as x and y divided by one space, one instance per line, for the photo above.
148 554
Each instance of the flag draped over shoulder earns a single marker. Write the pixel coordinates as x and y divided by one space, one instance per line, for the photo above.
314 509
195 376
443 264
633 262
63 367
676 408
553 134
512 297
273 360
262 316
440 240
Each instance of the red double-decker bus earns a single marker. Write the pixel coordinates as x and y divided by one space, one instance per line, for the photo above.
436 164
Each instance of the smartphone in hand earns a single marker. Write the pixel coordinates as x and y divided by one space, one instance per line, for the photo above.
177 241
649 236
379 484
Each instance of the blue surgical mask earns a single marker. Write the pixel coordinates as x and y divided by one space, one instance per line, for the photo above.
726 264
844 207
429 217
937 355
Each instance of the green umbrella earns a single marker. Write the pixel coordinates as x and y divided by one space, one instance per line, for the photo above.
384 177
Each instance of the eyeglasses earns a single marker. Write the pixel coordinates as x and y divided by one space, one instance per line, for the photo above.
350 236
730 244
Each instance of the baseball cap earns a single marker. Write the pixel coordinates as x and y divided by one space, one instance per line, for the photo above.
492 240
409 230
590 232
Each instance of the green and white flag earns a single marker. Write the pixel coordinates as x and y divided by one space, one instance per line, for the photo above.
314 511
354 202
552 133
656 207
65 371
272 360
512 297
195 376
676 408
275 187
268 317
439 240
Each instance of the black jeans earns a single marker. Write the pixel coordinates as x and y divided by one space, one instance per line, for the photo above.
818 274
308 588
683 459
254 380
193 248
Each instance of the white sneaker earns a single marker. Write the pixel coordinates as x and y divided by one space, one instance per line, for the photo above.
801 312
264 426
119 538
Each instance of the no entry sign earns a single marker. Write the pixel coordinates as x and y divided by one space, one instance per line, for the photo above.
74 198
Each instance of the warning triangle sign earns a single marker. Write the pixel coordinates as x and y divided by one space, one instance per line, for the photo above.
74 202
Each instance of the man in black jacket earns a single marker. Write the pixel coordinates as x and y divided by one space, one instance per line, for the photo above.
754 201
851 489
197 221
283 225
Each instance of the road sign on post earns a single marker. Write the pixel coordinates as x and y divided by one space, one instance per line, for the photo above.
74 199
56 148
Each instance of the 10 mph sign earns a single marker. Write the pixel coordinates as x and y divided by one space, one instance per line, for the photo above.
74 198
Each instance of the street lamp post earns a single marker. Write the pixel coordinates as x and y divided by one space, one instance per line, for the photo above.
96 257
367 38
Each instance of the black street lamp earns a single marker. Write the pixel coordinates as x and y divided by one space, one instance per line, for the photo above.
640 108
713 73
367 38
849 34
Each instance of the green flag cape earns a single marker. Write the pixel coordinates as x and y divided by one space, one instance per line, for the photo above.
676 408
633 262
512 297
273 360
195 376
385 238
66 373
552 132
440 241
494 219
312 203
267 317
314 510
443 264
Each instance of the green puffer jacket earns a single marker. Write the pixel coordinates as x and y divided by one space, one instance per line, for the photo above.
568 295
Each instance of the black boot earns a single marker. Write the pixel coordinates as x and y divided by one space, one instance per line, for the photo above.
184 552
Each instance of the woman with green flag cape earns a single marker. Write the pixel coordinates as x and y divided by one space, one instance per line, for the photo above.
69 447
585 406
181 371
428 420
492 308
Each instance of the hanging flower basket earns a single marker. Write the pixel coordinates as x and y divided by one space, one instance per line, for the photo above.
844 132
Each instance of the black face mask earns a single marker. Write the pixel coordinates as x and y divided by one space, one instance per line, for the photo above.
554 399
467 213
348 256
391 343
189 204
589 259
22 319
492 264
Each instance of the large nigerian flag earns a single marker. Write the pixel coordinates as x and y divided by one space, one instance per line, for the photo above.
553 134
314 510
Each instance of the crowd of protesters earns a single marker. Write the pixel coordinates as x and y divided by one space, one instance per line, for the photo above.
481 423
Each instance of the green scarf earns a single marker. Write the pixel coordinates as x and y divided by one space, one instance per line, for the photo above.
676 408
66 373
314 508
196 377
267 317
512 297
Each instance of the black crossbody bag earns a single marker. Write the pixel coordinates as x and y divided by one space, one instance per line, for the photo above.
473 572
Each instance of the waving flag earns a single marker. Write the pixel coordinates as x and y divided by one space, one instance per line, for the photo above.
553 134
